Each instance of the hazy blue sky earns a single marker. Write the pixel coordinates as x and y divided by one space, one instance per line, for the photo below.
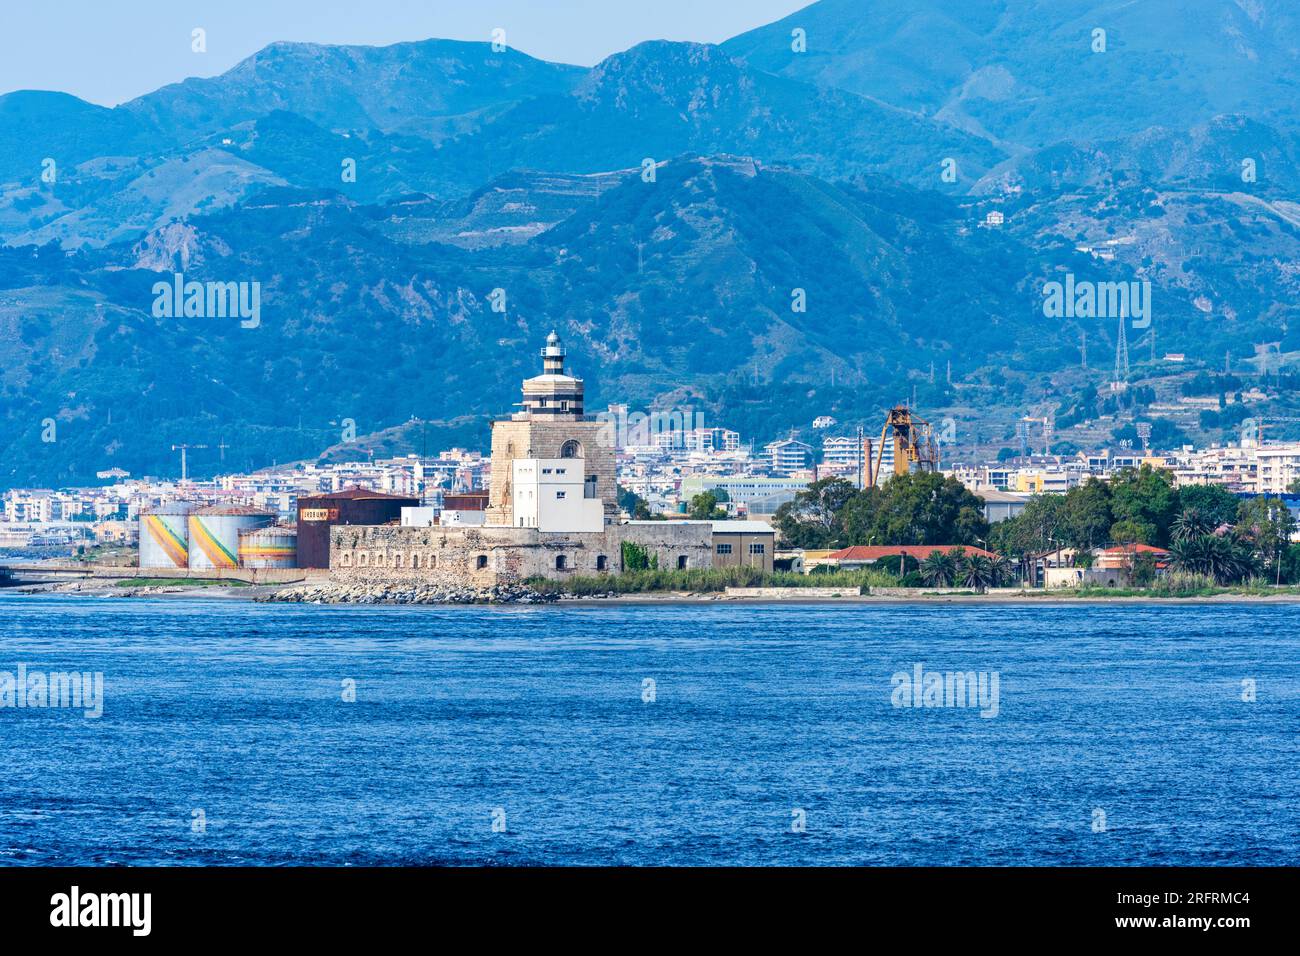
108 51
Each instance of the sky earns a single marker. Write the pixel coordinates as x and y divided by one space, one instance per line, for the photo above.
110 51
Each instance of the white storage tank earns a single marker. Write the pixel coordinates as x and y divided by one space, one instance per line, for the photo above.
165 535
214 534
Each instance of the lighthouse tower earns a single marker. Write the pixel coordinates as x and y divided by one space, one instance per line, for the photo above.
551 424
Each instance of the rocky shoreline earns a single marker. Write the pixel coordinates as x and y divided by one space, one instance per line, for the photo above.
405 593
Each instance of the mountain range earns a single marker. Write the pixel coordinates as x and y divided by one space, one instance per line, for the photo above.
788 224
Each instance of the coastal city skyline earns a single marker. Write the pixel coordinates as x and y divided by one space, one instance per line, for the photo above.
449 452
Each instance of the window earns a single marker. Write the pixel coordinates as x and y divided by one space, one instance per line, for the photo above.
365 560
758 549
347 560
432 562
561 471
397 561
602 563
415 562
559 494
561 562
480 562
681 562
571 449
724 549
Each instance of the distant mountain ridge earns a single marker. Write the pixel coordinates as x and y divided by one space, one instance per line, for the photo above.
913 180
1027 72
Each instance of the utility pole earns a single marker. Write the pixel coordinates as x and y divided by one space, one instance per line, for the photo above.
222 449
1083 348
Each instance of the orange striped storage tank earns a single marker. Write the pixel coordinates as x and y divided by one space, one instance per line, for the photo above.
165 535
214 535
268 548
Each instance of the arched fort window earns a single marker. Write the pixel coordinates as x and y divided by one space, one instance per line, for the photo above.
347 560
481 562
602 563
571 449
561 562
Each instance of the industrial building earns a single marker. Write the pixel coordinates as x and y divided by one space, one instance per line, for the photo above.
745 544
318 514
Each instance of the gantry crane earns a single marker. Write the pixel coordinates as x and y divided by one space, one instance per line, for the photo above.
914 444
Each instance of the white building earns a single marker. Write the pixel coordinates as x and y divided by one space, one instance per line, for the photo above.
788 456
550 494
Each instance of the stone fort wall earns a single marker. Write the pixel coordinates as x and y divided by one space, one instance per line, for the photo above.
482 557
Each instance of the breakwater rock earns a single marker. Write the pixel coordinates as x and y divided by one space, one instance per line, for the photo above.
406 592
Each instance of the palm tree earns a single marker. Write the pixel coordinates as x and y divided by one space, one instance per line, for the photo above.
977 572
1192 523
1217 556
939 570
1004 571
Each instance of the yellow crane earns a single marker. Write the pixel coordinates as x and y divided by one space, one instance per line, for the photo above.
914 444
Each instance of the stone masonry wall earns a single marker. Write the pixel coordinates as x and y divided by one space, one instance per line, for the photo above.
535 438
482 557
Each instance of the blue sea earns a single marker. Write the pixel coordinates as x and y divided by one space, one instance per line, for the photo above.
680 735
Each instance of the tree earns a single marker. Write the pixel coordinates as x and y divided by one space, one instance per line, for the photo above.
1217 503
1130 531
1086 516
1142 569
1004 570
919 508
1143 504
939 570
976 572
1218 556
1192 523
633 504
704 507
813 519
1036 529
1266 525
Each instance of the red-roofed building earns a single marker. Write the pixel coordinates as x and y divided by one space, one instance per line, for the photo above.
1120 557
863 555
